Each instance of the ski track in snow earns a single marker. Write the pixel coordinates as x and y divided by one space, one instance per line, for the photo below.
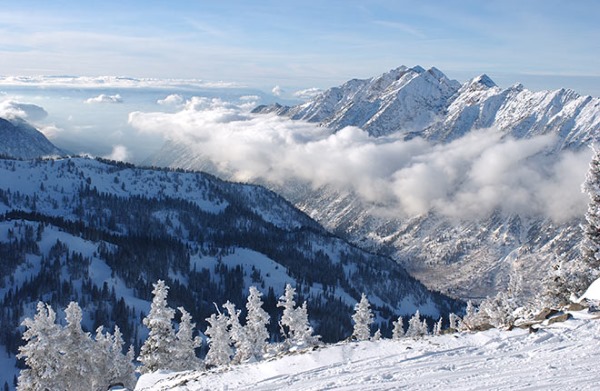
560 356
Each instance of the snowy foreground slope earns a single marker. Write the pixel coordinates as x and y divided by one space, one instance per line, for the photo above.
557 356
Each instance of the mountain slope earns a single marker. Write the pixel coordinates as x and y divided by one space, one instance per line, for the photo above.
556 357
101 233
473 256
21 140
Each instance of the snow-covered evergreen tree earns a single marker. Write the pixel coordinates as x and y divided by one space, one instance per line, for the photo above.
288 304
497 311
111 365
376 336
416 327
437 327
591 241
156 352
219 341
237 334
398 331
256 324
67 358
77 368
362 318
453 321
40 353
294 323
470 320
184 348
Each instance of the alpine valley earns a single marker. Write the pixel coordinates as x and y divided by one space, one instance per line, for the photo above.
101 233
468 257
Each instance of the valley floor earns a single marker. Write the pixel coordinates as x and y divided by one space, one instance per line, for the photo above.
559 356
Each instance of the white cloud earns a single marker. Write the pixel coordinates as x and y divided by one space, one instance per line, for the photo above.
277 91
103 98
119 153
171 100
469 177
50 131
308 93
85 82
11 109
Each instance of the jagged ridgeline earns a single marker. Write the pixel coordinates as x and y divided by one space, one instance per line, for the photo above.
100 233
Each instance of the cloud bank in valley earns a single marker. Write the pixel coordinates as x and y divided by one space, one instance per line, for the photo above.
11 109
467 178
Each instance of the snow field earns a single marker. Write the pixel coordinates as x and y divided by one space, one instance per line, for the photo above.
559 356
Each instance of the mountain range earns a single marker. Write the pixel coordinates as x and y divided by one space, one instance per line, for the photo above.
468 258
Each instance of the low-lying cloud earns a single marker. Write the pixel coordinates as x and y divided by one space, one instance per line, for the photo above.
466 178
11 109
119 153
104 98
171 100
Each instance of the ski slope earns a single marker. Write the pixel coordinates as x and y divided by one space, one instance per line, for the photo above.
557 356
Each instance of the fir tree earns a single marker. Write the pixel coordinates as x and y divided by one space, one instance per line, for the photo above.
363 318
416 327
398 331
237 334
294 323
156 353
256 324
184 348
453 321
437 327
40 353
76 366
591 242
219 341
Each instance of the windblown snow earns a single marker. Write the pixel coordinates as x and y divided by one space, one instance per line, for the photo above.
557 356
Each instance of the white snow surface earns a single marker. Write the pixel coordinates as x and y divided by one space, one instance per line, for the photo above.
592 292
558 356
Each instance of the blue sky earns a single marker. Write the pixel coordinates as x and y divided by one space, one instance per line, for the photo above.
302 44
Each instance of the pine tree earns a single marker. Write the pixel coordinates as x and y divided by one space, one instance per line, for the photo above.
184 348
66 358
237 334
288 304
219 341
156 352
398 331
363 318
416 327
470 321
40 353
299 332
76 366
497 311
256 324
376 336
112 366
453 319
437 328
591 242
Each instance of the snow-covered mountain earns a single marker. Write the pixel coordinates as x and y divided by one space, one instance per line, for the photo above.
407 99
470 258
21 140
101 233
415 101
